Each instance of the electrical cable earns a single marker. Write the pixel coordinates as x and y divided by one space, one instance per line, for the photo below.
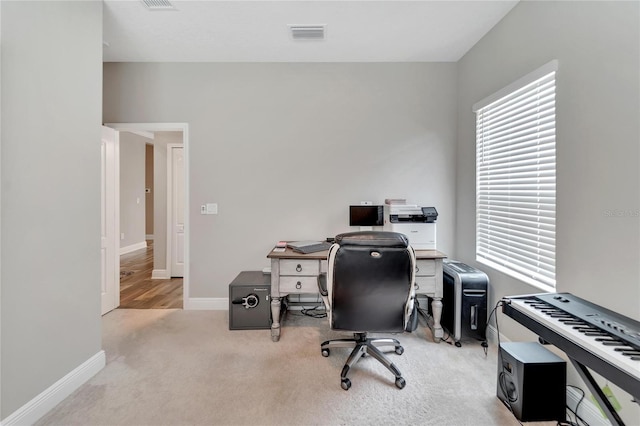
501 377
578 420
309 311
424 313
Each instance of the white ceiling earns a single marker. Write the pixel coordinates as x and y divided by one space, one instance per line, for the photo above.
257 31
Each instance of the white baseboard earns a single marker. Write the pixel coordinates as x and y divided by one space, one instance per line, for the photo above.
207 304
32 411
587 410
492 335
133 247
160 274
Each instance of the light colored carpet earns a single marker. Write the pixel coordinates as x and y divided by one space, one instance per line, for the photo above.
176 367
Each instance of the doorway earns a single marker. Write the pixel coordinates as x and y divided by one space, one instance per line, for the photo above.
147 279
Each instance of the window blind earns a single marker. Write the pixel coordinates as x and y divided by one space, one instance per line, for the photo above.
516 179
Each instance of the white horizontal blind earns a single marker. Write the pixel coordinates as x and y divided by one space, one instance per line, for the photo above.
516 182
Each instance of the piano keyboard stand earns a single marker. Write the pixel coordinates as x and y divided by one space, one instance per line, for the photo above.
593 337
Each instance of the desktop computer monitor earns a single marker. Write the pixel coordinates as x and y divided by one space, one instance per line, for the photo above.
366 215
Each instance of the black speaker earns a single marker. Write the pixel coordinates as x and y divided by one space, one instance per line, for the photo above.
532 381
250 301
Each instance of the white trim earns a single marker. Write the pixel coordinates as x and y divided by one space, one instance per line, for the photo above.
170 207
133 247
148 237
587 410
178 127
111 210
33 410
515 274
144 134
492 335
521 82
160 274
206 304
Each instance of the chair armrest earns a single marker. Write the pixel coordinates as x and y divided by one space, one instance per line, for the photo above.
322 284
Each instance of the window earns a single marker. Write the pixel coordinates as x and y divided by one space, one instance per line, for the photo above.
516 179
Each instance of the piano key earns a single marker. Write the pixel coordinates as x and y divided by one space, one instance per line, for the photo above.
583 332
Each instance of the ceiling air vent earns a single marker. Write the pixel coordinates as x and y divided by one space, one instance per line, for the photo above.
307 32
158 4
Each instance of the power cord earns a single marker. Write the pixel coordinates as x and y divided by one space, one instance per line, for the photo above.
317 311
578 421
484 344
424 313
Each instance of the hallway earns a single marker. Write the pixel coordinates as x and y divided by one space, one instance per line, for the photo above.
139 291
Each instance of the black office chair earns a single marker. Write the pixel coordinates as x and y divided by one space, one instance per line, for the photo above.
369 287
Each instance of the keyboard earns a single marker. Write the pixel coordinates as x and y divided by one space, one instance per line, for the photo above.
311 248
603 340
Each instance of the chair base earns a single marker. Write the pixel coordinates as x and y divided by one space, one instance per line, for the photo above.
362 345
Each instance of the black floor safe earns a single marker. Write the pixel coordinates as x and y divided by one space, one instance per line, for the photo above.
464 301
532 381
250 301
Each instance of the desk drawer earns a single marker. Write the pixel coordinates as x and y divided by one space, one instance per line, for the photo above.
425 267
426 285
298 284
299 267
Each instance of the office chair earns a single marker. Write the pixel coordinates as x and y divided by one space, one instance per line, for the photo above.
368 287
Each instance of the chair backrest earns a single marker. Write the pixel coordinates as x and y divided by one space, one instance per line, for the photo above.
370 281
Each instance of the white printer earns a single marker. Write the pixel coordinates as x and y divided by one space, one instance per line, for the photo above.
417 223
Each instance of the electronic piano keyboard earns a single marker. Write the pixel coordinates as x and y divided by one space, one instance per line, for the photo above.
592 336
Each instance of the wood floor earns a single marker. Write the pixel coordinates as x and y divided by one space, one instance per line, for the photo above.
139 291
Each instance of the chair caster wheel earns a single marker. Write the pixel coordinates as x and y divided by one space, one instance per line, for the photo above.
325 352
346 384
399 350
400 383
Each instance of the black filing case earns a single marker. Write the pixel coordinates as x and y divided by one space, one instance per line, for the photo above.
465 300
250 301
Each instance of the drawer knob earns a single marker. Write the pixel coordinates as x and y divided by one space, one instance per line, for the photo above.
298 285
299 268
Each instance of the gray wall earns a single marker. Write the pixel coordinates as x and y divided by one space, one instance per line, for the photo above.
132 196
50 175
285 148
598 105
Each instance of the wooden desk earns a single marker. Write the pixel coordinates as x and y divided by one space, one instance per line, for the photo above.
296 273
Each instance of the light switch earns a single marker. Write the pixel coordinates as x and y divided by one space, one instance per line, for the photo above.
212 208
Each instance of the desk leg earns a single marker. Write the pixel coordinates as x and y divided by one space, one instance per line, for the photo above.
276 303
436 308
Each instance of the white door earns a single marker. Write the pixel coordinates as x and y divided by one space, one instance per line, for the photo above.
177 192
109 247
